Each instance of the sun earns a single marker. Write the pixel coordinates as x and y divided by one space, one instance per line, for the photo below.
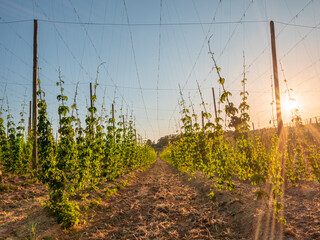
290 105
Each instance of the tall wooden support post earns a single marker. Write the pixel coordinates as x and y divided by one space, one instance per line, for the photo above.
59 123
113 124
91 111
30 117
276 79
113 120
214 103
316 120
34 94
91 101
202 119
253 129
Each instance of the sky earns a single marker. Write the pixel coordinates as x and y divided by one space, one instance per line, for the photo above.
145 49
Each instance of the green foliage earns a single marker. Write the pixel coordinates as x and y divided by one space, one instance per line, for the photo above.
313 157
46 147
83 157
68 212
296 166
3 140
15 152
225 156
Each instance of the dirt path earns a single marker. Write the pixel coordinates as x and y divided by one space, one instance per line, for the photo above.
157 204
19 206
160 203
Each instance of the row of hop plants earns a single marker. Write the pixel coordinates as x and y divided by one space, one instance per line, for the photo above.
83 157
302 154
15 150
245 155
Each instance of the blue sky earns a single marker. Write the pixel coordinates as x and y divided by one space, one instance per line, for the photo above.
133 73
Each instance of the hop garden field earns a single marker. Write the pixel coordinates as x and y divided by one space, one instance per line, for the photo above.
109 78
101 181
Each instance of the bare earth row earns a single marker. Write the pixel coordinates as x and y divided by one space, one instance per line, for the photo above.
160 203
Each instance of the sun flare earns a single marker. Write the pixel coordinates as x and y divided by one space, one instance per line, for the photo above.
290 105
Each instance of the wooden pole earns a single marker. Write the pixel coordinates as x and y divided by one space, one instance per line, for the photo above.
276 79
59 123
202 119
91 101
30 117
214 103
34 94
113 120
253 130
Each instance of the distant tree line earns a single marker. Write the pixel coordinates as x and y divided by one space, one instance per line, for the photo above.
161 143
